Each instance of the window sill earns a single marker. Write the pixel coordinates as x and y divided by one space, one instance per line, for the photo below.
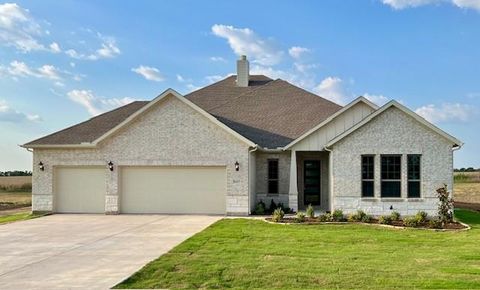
415 199
393 199
369 199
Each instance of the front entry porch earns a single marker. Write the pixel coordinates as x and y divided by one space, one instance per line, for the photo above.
309 180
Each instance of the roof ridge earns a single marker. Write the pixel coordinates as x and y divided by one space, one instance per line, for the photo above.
242 94
88 120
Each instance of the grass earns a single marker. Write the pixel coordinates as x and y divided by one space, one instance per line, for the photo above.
246 253
18 217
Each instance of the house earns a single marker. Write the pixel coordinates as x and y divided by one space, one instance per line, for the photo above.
223 148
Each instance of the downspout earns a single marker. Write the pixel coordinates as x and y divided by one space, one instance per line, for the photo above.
330 176
250 190
454 148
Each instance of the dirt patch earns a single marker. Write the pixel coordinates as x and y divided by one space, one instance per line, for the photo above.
466 192
15 180
466 205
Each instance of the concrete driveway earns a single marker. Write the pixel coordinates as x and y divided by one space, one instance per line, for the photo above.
87 251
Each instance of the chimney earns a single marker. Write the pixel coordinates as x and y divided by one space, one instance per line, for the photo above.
243 69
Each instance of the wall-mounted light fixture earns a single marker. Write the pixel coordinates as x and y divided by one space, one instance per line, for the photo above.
237 166
41 166
110 165
391 207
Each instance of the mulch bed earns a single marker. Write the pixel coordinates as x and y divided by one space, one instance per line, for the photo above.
315 221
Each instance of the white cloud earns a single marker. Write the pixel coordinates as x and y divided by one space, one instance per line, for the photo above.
297 51
55 48
331 88
218 59
180 78
447 112
18 29
402 4
213 79
96 105
21 69
149 73
246 41
108 49
72 64
304 67
473 4
376 99
8 114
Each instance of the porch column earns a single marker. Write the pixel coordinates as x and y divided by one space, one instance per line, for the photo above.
293 190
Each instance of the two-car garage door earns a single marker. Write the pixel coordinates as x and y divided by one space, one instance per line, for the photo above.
186 189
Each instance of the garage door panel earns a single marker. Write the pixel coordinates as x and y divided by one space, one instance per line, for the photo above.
79 189
173 190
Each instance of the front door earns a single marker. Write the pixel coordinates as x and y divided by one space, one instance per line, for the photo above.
311 182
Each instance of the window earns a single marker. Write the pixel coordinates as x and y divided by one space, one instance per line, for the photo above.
273 176
413 173
391 166
367 175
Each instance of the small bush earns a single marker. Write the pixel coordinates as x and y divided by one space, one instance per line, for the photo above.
445 205
385 220
260 208
277 215
395 215
273 206
421 217
310 211
357 217
435 224
411 222
325 217
300 217
337 216
367 218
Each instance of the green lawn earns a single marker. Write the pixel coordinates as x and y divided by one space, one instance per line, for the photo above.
18 217
245 253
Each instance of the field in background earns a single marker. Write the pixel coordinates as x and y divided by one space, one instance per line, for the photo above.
466 191
15 192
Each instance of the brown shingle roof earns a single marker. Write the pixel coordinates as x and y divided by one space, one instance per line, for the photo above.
91 129
271 113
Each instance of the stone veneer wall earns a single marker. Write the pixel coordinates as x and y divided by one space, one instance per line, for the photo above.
170 133
392 132
261 187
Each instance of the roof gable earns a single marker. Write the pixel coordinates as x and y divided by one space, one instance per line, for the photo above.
133 116
405 110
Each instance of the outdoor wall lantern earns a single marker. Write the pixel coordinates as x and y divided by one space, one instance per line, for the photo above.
391 207
110 165
237 166
41 166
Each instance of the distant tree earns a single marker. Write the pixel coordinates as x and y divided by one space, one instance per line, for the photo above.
470 169
15 173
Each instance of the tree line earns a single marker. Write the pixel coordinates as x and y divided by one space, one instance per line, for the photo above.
15 173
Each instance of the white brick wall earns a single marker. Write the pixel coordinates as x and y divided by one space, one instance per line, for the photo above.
392 132
171 133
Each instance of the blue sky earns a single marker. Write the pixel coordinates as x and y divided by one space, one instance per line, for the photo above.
62 62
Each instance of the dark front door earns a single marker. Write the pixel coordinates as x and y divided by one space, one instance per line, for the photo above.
311 182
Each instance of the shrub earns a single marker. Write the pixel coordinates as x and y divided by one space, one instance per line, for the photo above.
357 217
260 208
385 219
411 221
277 215
445 205
395 215
284 208
300 217
367 218
273 206
337 216
310 211
421 217
435 224
325 217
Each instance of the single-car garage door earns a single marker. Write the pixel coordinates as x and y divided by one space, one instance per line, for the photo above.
79 189
170 189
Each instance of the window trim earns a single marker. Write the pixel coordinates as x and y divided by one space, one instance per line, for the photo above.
390 180
273 179
415 180
361 175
